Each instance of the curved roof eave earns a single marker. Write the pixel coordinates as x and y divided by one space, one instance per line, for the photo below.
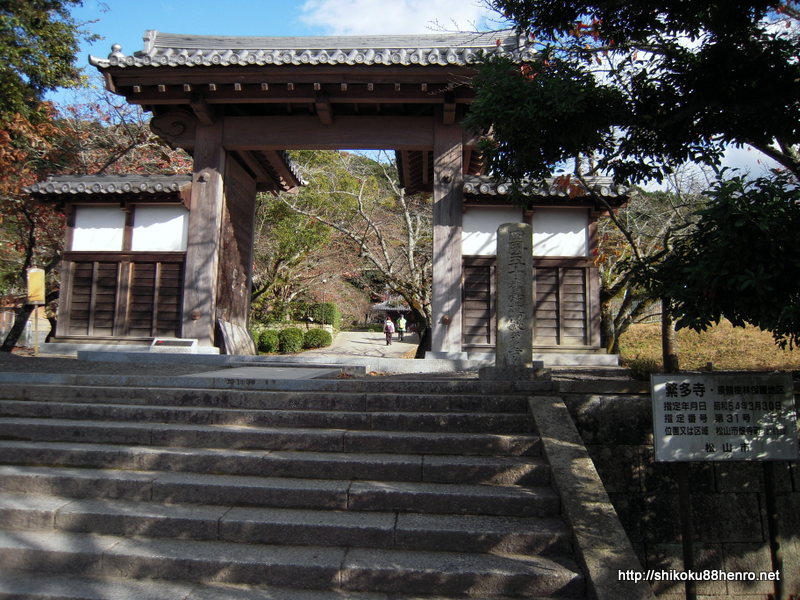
444 49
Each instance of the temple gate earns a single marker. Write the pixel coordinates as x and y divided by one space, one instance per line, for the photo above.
237 103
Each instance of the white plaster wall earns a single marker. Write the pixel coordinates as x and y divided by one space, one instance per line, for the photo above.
479 233
560 232
160 228
98 228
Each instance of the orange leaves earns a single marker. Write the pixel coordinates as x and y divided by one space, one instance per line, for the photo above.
574 189
528 72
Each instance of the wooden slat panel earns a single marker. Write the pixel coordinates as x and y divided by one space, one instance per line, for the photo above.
546 306
140 302
477 316
105 290
169 300
561 301
81 298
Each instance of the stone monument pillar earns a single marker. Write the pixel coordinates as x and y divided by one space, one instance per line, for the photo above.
514 296
514 349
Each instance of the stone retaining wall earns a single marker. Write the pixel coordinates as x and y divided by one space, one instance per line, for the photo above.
728 501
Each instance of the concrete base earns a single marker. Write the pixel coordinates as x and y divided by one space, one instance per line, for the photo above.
446 356
348 364
536 372
68 349
558 359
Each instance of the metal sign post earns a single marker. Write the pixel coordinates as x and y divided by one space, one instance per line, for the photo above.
36 297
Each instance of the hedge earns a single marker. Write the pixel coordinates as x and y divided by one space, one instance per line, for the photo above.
268 341
317 338
290 340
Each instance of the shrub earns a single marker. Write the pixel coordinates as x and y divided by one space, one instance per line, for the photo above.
268 341
290 340
317 338
327 313
642 367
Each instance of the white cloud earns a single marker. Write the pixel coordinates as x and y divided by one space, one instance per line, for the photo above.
380 17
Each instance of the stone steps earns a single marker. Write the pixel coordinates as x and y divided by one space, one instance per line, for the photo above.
388 530
271 399
491 470
269 438
381 421
378 492
306 567
280 492
15 586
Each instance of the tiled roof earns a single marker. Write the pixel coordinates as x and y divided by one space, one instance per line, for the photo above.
177 50
487 186
109 184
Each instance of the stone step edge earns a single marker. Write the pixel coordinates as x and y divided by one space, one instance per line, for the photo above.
281 492
430 422
223 383
410 414
335 568
18 585
346 435
388 530
211 398
300 464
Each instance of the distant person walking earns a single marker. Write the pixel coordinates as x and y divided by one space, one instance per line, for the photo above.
388 329
401 327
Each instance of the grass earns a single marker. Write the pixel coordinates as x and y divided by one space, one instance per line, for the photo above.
727 347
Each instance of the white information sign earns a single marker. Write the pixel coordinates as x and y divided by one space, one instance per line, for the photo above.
724 417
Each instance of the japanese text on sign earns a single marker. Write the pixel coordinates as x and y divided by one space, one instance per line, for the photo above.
724 417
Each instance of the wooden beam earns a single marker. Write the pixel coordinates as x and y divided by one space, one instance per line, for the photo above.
323 107
405 156
252 163
468 158
205 218
449 110
286 177
305 132
202 110
295 92
446 298
406 74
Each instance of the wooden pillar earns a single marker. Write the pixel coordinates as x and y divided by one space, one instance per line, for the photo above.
205 221
447 216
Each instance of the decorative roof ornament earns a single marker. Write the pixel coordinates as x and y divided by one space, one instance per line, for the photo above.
443 49
482 185
108 185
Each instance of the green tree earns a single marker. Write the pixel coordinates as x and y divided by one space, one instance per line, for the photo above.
742 262
362 202
639 235
38 45
642 87
288 258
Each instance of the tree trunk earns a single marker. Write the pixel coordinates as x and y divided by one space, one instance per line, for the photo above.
53 324
608 337
669 346
20 320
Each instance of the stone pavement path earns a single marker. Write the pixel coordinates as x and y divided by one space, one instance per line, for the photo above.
368 343
347 343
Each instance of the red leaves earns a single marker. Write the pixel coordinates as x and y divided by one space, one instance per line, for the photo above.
528 72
